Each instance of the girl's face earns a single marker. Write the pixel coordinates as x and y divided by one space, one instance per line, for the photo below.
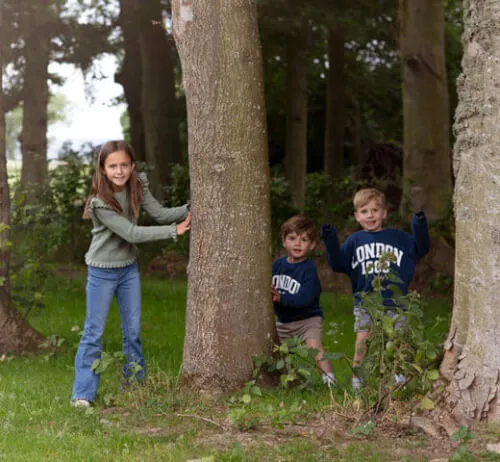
118 167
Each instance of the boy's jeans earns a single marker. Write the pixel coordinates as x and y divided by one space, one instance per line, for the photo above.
102 285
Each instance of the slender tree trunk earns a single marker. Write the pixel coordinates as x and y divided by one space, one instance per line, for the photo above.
158 102
16 336
335 104
472 361
296 116
229 312
427 179
130 76
333 158
35 101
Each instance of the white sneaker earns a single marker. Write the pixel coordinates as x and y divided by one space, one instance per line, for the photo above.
329 379
80 403
399 379
356 383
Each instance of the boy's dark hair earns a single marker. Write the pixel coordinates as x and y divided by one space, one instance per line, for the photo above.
300 224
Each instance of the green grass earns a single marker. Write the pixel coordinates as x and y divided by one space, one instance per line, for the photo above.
157 421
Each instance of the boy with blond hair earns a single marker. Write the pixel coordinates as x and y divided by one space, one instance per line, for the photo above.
359 256
296 290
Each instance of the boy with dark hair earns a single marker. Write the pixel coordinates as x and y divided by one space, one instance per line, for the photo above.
359 255
296 290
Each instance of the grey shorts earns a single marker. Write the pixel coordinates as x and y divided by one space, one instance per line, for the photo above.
305 329
363 321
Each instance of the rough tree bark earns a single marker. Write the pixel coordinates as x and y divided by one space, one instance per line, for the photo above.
472 362
129 76
158 102
16 336
37 36
229 312
295 160
427 179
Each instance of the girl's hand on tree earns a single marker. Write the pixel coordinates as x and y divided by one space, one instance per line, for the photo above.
275 294
184 226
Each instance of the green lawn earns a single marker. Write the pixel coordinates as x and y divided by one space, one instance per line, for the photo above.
154 422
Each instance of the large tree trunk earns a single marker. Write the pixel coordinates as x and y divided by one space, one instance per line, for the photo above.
427 178
472 361
130 76
296 116
229 312
158 102
16 336
35 99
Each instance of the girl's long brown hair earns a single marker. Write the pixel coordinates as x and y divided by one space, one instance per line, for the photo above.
101 186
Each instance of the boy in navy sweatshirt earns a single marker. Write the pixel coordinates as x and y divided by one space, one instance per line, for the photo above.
296 290
359 255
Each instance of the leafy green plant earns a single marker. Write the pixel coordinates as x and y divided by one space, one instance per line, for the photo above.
462 453
397 347
293 360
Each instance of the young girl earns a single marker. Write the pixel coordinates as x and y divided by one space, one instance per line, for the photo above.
113 205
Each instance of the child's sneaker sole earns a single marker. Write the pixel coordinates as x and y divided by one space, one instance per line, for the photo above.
82 403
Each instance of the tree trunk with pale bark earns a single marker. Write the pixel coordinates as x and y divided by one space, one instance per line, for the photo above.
16 336
229 315
427 176
295 160
472 359
158 102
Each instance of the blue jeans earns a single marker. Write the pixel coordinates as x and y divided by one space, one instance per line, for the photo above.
102 285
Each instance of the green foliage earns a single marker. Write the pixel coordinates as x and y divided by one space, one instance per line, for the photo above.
249 410
397 345
462 453
292 360
47 229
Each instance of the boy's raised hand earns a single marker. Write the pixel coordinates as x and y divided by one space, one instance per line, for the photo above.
184 226
275 294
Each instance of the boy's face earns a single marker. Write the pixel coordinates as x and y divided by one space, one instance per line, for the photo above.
371 216
297 246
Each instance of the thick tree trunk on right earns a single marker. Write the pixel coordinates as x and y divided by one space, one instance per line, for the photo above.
16 336
472 361
295 160
427 176
158 102
35 99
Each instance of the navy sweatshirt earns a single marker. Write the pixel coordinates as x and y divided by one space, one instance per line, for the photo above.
359 254
299 288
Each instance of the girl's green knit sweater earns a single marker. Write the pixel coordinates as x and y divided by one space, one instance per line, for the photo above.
114 235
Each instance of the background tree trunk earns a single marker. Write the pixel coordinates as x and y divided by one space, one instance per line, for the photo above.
229 311
473 347
333 158
35 100
333 164
130 76
295 160
16 336
427 176
158 102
